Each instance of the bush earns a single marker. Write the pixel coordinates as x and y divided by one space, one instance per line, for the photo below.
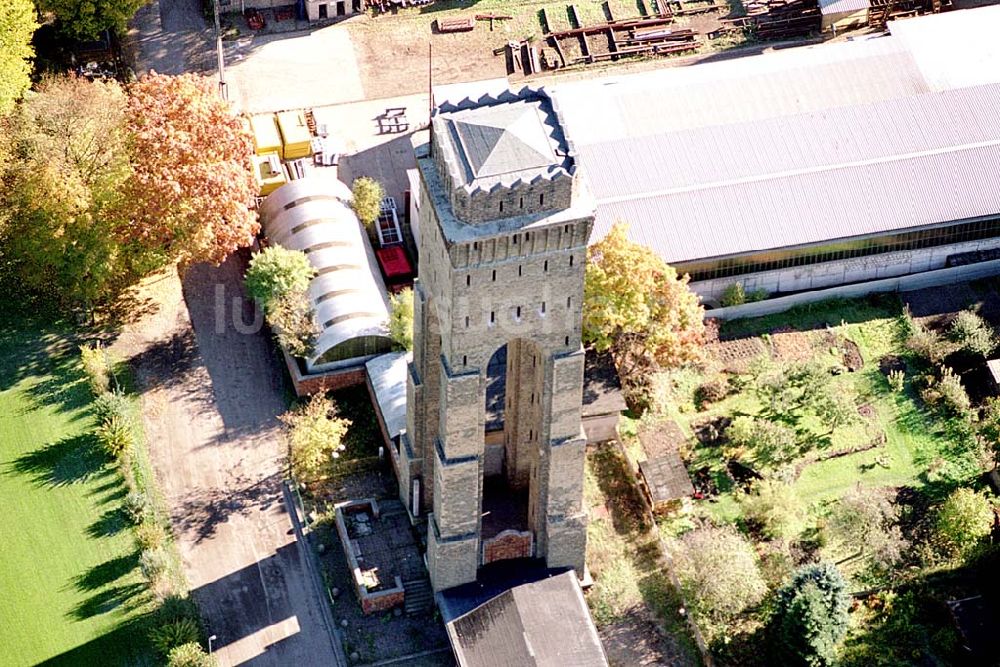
172 634
175 607
294 322
149 535
947 393
137 507
867 519
973 333
110 404
962 521
733 295
153 565
712 391
116 437
925 343
190 655
366 199
774 508
896 380
718 573
401 319
97 367
759 294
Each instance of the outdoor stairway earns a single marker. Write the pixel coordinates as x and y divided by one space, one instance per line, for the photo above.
419 598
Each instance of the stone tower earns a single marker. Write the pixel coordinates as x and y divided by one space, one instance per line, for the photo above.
504 221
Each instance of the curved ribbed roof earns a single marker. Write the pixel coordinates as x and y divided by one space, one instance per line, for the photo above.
312 215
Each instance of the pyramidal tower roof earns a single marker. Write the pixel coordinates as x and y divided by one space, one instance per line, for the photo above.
503 139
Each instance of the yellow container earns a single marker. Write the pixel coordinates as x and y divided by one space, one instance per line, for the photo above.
266 138
268 172
295 134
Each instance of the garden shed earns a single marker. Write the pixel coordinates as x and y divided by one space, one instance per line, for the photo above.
663 477
295 135
312 214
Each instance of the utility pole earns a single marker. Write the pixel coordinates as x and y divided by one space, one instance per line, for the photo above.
223 90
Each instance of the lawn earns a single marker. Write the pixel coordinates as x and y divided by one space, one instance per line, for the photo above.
72 593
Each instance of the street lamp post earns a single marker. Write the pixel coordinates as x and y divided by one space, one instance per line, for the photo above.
210 640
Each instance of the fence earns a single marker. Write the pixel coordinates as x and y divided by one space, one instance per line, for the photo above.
935 278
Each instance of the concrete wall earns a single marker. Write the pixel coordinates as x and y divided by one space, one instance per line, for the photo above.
831 274
900 284
313 8
838 21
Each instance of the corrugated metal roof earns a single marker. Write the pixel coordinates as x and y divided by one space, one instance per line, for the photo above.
827 7
778 166
311 214
387 374
545 623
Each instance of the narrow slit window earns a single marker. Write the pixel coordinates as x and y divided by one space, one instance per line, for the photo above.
541 199
494 275
545 266
522 202
519 270
465 360
468 280
493 316
519 312
567 341
501 207
543 307
466 321
569 301
571 260
515 238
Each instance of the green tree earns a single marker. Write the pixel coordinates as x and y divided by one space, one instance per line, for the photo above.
733 295
401 319
17 25
315 438
637 306
810 617
989 426
962 521
718 572
775 508
366 199
70 154
86 19
276 272
764 442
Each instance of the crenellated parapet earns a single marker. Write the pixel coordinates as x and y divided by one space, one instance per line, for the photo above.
503 156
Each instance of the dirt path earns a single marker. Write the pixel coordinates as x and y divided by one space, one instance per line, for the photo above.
211 391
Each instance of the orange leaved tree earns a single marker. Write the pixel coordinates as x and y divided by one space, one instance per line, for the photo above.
190 194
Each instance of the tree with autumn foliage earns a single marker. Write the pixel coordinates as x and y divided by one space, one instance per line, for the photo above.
190 193
17 25
315 433
68 157
637 306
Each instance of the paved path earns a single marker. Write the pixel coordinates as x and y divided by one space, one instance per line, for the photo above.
172 37
211 395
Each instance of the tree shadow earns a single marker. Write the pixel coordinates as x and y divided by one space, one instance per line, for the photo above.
628 513
106 601
72 460
107 572
203 511
112 522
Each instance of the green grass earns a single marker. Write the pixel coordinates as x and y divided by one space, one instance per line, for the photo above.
70 589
